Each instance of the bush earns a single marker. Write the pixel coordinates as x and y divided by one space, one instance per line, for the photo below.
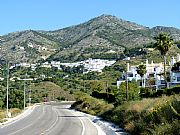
104 95
145 92
150 116
133 93
90 105
61 98
171 91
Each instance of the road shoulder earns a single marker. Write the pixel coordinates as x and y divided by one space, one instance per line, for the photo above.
22 115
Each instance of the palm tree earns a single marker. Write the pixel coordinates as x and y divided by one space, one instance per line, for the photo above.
141 70
163 44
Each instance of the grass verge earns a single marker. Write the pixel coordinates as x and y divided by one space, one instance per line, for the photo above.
14 113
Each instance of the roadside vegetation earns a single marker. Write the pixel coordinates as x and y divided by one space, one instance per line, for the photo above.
49 91
91 105
153 116
14 112
140 111
145 111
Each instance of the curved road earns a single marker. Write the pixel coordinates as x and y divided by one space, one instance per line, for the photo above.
52 119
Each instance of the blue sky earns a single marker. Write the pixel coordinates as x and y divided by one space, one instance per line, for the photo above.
17 15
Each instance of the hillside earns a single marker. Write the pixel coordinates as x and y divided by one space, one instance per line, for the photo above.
94 38
49 90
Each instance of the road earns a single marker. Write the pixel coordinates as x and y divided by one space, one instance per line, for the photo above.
51 119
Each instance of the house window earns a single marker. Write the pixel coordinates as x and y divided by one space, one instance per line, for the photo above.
151 75
178 79
163 82
130 75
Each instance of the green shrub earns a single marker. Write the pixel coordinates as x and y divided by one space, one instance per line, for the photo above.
173 90
155 116
104 95
133 93
90 105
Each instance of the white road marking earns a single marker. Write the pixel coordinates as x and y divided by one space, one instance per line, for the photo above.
83 126
83 130
100 131
54 123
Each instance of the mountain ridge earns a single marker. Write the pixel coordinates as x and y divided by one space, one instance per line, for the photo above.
88 39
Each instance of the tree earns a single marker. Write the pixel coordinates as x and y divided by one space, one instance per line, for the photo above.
141 70
96 86
133 92
163 44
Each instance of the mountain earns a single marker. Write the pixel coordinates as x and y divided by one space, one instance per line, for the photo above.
103 36
26 46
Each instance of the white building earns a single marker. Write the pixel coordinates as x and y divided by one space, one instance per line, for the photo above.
91 64
46 65
153 71
25 65
21 48
175 72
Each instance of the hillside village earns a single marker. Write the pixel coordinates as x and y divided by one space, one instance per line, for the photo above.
154 70
89 65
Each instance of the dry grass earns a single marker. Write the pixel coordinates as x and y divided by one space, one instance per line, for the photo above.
2 115
14 112
129 126
147 104
155 115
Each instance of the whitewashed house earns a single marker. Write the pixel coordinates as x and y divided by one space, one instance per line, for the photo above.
153 71
46 65
175 78
175 72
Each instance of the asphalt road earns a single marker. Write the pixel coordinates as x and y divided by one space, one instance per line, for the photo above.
52 119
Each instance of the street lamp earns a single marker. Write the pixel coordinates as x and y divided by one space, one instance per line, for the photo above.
30 94
26 79
24 95
29 91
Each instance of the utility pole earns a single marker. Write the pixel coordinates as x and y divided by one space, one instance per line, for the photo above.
45 93
7 91
25 90
84 79
127 64
24 95
30 94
